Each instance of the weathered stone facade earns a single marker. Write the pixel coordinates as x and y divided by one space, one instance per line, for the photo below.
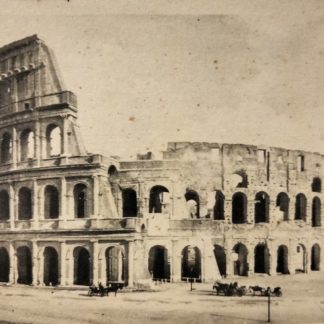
204 210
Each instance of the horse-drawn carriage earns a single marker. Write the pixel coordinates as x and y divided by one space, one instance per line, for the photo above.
101 291
231 289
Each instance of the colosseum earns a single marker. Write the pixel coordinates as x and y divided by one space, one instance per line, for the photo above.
204 211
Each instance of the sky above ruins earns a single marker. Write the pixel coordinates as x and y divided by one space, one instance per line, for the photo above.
245 72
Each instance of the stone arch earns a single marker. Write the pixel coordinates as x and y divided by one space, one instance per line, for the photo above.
220 257
51 202
25 207
159 198
300 258
282 260
315 257
219 206
317 184
193 203
27 144
24 265
51 269
261 207
4 205
4 265
129 202
282 202
158 264
239 208
81 266
6 148
115 264
241 266
300 207
191 263
241 179
80 192
261 259
53 140
316 212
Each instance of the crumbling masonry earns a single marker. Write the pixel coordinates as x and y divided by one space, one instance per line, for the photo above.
205 210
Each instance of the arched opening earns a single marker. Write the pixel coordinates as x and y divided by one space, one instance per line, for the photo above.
300 259
6 148
80 200
27 145
239 208
191 263
129 202
25 209
261 208
81 266
316 212
113 175
4 205
282 259
241 266
261 259
220 257
159 267
50 267
316 257
115 264
300 207
51 206
24 262
283 203
240 179
219 206
53 140
317 185
159 198
193 204
4 265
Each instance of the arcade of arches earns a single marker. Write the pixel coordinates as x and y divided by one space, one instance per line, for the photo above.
77 265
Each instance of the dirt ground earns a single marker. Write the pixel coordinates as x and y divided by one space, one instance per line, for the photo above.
302 302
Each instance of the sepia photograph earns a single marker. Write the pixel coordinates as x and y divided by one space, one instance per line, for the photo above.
161 161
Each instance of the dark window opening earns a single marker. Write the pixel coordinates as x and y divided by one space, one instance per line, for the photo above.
80 201
283 203
4 265
316 212
261 259
239 208
51 273
159 197
129 203
261 208
191 263
159 266
25 209
282 260
241 266
220 257
4 205
219 206
51 206
315 257
6 148
243 183
301 163
300 207
81 266
193 204
317 185
24 262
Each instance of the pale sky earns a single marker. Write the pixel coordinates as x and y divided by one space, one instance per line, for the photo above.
149 72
